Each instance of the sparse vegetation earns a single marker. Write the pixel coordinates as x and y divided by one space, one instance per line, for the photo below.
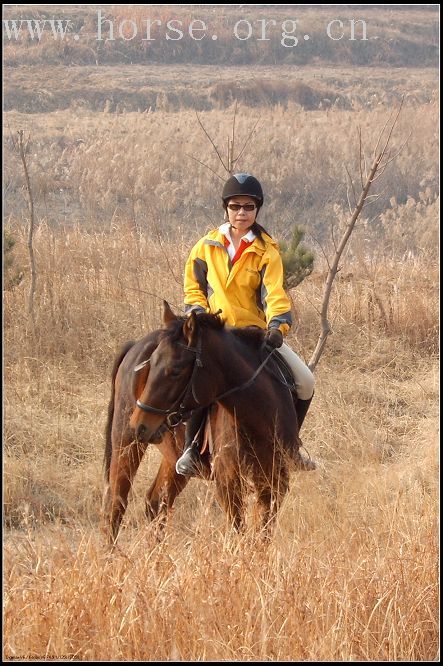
11 273
351 573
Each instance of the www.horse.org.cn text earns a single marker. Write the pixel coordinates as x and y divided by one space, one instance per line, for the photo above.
288 32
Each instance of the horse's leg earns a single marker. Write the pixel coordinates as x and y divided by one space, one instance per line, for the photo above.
167 484
125 461
230 497
271 490
226 466
162 493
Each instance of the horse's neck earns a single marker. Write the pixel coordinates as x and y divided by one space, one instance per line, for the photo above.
238 365
256 405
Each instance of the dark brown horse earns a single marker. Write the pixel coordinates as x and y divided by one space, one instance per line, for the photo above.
193 362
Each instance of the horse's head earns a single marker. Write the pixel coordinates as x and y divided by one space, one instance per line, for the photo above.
164 393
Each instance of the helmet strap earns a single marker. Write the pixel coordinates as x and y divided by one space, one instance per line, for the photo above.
248 229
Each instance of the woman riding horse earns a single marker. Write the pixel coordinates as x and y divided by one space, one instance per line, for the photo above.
237 270
175 374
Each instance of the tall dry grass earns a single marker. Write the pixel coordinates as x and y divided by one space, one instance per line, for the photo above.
351 572
102 169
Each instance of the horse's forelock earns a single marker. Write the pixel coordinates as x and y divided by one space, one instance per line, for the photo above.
174 330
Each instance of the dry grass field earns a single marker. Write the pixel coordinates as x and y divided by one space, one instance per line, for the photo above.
351 572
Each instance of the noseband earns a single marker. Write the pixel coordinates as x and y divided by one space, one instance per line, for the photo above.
175 416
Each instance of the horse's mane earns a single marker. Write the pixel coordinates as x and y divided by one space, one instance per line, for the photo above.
173 332
250 335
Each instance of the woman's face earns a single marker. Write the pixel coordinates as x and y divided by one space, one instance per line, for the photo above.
242 219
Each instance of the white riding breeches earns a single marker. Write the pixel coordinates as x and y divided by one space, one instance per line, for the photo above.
304 379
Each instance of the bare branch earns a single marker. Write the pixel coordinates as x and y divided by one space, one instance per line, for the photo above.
321 248
347 198
371 219
360 156
228 155
352 185
367 203
378 175
231 161
247 141
334 265
374 154
392 128
374 196
165 254
387 156
332 236
212 143
398 151
126 287
13 139
313 306
22 150
205 165
231 154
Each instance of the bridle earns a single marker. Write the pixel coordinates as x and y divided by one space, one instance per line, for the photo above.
175 415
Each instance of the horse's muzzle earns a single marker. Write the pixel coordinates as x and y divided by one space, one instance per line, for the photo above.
143 434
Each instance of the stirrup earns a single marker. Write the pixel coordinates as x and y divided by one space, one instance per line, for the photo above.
189 462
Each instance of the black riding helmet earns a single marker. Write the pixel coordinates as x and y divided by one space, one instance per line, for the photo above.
242 184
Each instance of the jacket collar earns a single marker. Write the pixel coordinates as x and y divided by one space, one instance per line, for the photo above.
258 244
225 229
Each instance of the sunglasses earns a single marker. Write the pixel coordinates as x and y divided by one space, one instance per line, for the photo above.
247 207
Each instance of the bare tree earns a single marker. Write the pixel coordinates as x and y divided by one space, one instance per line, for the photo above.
230 162
381 157
21 146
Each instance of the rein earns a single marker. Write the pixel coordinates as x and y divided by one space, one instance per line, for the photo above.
249 382
176 416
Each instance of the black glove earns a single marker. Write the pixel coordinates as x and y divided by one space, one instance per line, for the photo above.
273 338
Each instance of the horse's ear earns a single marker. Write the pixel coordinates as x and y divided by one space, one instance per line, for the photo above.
168 315
190 329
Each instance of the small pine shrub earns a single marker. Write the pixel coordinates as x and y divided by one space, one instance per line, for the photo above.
298 261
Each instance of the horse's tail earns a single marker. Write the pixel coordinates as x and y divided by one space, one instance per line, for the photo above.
108 440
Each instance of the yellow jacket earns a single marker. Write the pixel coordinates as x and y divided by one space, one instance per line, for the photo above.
250 292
